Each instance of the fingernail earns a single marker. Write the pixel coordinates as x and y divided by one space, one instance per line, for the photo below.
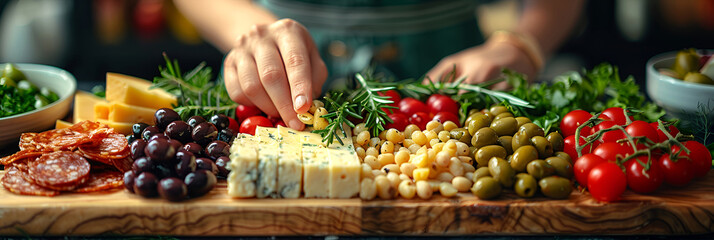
300 101
295 124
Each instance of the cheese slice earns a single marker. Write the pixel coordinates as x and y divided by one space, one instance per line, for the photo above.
84 106
244 167
267 181
121 112
101 110
316 166
120 127
344 169
136 91
289 163
59 124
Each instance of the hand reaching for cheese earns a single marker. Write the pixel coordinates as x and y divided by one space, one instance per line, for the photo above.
277 68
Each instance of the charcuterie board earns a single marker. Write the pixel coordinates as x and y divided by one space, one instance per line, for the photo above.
671 210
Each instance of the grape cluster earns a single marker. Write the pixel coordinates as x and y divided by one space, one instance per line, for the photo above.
177 159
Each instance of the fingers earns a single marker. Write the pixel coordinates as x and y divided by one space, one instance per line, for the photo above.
232 82
319 69
274 81
296 60
252 87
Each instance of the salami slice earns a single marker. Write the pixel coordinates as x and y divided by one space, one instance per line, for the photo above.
94 130
114 146
102 181
14 182
61 171
27 141
123 164
23 154
61 139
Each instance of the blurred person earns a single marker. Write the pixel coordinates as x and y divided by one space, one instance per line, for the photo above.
279 52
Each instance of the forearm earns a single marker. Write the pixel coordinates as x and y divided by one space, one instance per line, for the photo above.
549 22
222 21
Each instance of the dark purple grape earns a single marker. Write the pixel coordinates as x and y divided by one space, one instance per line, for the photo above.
194 148
226 135
217 149
222 164
177 146
204 133
143 164
130 138
164 116
200 182
159 150
206 164
129 181
149 131
173 189
186 163
220 121
195 120
145 184
138 128
179 130
137 148
158 135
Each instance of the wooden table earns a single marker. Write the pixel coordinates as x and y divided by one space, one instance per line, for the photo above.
670 211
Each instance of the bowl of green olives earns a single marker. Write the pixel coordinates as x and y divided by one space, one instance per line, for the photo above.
676 83
33 97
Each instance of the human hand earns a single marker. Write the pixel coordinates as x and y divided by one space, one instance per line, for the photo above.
482 63
277 68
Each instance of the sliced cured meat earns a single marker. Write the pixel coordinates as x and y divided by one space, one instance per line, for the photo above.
61 171
123 164
27 141
113 146
60 139
102 181
94 130
23 154
14 182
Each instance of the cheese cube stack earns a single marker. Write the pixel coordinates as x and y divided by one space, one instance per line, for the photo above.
290 164
128 100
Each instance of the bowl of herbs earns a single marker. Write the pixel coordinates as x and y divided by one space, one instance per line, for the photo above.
32 98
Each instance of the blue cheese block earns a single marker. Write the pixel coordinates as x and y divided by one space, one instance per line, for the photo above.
290 163
267 182
344 168
244 167
316 171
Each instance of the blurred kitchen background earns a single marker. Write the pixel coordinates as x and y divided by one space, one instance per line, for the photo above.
90 38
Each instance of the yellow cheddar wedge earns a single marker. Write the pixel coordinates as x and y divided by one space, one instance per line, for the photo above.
84 106
120 127
120 112
59 124
135 91
101 110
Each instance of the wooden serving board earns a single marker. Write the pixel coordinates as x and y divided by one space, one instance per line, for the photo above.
670 211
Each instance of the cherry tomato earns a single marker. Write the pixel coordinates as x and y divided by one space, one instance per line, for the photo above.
642 181
616 114
583 165
572 120
569 146
393 96
281 123
610 150
606 182
409 106
677 173
399 121
610 136
233 125
447 116
660 135
641 128
274 120
700 156
249 124
441 103
420 119
243 112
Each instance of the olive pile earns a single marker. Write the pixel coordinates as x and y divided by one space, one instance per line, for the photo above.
176 159
512 152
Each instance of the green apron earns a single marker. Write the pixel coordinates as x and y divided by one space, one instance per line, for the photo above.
401 38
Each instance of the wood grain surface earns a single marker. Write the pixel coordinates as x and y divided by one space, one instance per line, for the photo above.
669 211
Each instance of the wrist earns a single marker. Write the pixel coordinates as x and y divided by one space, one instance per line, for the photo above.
524 42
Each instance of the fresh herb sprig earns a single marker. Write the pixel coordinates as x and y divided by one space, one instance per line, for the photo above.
198 94
339 112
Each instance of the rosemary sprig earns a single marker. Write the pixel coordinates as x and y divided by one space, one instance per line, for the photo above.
337 116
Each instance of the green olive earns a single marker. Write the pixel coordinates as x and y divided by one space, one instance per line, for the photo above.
505 142
26 85
562 167
13 73
522 156
501 171
543 146
40 101
486 188
498 110
477 122
490 115
49 94
555 187
519 140
473 111
503 115
522 120
481 172
460 134
556 140
540 169
484 137
686 61
505 126
7 82
472 151
531 130
484 154
564 155
695 77
525 185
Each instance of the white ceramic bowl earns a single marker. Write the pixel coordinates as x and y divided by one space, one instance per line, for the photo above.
679 98
57 80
